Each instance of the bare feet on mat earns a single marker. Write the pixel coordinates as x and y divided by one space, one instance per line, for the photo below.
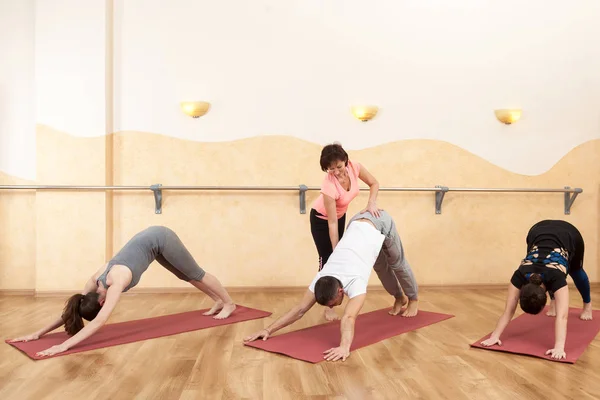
552 309
412 309
225 312
586 314
330 315
399 305
216 307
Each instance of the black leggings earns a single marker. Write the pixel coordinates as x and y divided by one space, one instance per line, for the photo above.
320 232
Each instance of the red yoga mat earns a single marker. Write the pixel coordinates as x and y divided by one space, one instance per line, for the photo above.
141 329
533 335
309 344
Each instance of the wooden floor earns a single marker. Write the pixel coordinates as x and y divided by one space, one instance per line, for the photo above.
434 362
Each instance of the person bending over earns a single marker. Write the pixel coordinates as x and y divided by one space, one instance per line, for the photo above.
369 243
103 290
555 249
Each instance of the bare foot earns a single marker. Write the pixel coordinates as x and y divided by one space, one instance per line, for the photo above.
412 308
552 309
216 307
330 314
225 312
399 305
586 314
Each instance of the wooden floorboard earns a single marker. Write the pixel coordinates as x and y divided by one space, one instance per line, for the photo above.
434 362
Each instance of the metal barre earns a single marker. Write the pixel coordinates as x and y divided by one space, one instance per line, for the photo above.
440 191
279 188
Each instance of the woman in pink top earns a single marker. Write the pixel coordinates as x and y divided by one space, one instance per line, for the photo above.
339 188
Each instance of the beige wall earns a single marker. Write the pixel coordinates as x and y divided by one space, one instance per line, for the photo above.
70 226
17 236
122 75
54 240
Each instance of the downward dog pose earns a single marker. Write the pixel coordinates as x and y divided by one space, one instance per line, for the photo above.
103 290
339 188
369 243
555 249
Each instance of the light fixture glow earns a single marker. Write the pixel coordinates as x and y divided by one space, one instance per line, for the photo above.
195 109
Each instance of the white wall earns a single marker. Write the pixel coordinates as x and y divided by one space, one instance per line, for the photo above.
70 65
437 69
17 94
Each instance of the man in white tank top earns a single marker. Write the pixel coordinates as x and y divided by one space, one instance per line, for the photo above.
369 243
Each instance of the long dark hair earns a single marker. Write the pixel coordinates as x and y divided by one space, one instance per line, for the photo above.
80 306
533 296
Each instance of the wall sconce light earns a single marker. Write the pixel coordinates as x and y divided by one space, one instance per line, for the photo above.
195 109
364 113
508 116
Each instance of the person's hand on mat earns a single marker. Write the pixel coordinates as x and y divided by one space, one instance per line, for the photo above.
27 338
59 348
557 353
492 341
260 334
372 208
336 353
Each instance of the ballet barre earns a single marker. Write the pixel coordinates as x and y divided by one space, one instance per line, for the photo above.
570 194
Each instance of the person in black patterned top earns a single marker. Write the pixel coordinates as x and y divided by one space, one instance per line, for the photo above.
555 249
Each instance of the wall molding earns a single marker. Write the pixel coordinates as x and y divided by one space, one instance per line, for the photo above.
17 292
261 289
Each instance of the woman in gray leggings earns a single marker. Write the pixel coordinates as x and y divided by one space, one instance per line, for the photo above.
103 290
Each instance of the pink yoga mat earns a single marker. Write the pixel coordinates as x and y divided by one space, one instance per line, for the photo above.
141 329
533 335
309 344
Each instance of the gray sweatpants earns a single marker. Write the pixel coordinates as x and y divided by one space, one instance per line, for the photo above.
391 265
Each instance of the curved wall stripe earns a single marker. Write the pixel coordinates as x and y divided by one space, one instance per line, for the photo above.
529 160
478 232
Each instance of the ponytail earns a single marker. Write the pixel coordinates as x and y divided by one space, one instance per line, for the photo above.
71 317
77 308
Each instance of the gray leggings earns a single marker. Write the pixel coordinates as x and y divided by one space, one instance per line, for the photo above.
391 265
176 258
155 243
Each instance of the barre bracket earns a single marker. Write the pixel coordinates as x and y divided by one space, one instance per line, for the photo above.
570 199
157 198
303 189
439 198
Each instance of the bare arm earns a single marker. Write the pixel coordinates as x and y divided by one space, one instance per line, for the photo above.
349 319
561 296
288 318
113 295
90 286
57 323
509 311
365 176
332 221
346 329
38 334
